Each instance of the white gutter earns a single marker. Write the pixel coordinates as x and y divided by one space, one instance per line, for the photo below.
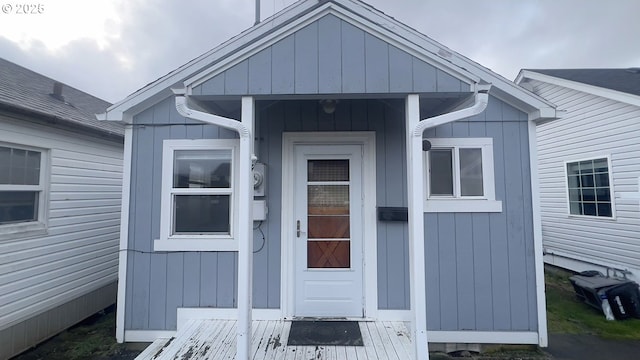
415 129
245 195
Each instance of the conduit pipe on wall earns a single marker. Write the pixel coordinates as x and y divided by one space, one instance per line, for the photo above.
244 128
415 129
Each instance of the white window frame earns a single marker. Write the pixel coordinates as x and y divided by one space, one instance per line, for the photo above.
611 192
458 203
39 226
186 242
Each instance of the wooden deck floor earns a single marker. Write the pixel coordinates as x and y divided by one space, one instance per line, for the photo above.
216 339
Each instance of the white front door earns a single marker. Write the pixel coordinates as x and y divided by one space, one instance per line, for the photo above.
328 243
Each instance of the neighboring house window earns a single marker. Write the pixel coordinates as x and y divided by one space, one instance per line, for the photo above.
589 187
22 190
460 176
198 199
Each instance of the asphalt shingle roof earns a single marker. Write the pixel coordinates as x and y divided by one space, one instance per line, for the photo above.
27 91
624 80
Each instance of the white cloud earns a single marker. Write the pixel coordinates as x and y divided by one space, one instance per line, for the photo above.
58 23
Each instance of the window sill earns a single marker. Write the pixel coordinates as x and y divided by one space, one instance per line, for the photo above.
15 231
190 244
462 205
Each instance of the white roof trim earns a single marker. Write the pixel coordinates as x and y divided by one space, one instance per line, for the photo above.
374 21
579 86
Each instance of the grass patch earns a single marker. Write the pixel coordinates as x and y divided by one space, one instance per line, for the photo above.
94 338
567 315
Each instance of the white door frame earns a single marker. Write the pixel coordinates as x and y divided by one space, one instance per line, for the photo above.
370 266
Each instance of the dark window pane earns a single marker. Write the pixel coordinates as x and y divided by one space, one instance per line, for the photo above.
573 169
441 172
589 209
18 206
32 173
201 214
602 179
5 162
588 195
471 172
575 208
600 165
603 194
586 167
18 166
587 180
328 170
202 169
574 181
604 209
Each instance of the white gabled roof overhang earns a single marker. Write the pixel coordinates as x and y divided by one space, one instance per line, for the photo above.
624 97
299 15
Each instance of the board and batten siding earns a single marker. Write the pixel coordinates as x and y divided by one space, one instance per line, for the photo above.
591 127
480 267
330 56
78 254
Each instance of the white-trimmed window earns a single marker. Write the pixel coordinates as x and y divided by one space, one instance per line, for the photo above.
460 176
589 187
199 178
22 190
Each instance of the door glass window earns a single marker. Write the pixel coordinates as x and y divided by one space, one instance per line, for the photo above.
328 241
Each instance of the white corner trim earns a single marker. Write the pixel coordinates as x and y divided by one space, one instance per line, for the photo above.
367 140
537 237
147 336
484 337
124 235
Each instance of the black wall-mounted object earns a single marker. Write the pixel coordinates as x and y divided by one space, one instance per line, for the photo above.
393 214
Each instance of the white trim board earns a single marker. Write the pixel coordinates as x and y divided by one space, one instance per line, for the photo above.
147 336
484 337
465 337
367 140
579 86
537 237
186 314
124 234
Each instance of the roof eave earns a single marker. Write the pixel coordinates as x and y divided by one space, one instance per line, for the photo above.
630 99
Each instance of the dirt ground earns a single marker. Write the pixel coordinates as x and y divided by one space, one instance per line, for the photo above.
92 339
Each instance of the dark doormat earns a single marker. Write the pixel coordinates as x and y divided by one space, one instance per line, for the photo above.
339 333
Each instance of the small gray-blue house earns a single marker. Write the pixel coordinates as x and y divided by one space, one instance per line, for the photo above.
332 162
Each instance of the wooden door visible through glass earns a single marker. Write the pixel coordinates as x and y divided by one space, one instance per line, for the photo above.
328 240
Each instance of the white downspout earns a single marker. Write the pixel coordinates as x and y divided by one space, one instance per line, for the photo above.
245 195
415 129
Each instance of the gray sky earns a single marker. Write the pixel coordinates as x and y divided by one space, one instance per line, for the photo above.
110 48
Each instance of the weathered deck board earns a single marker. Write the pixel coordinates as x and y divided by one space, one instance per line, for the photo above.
216 339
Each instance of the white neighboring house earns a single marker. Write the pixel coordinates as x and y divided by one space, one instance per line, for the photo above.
589 166
60 195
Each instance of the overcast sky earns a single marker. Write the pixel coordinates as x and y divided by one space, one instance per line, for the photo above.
110 48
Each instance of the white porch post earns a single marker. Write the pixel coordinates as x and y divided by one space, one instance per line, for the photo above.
415 178
245 232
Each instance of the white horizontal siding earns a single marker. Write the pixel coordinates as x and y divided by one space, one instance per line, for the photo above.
78 253
591 127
